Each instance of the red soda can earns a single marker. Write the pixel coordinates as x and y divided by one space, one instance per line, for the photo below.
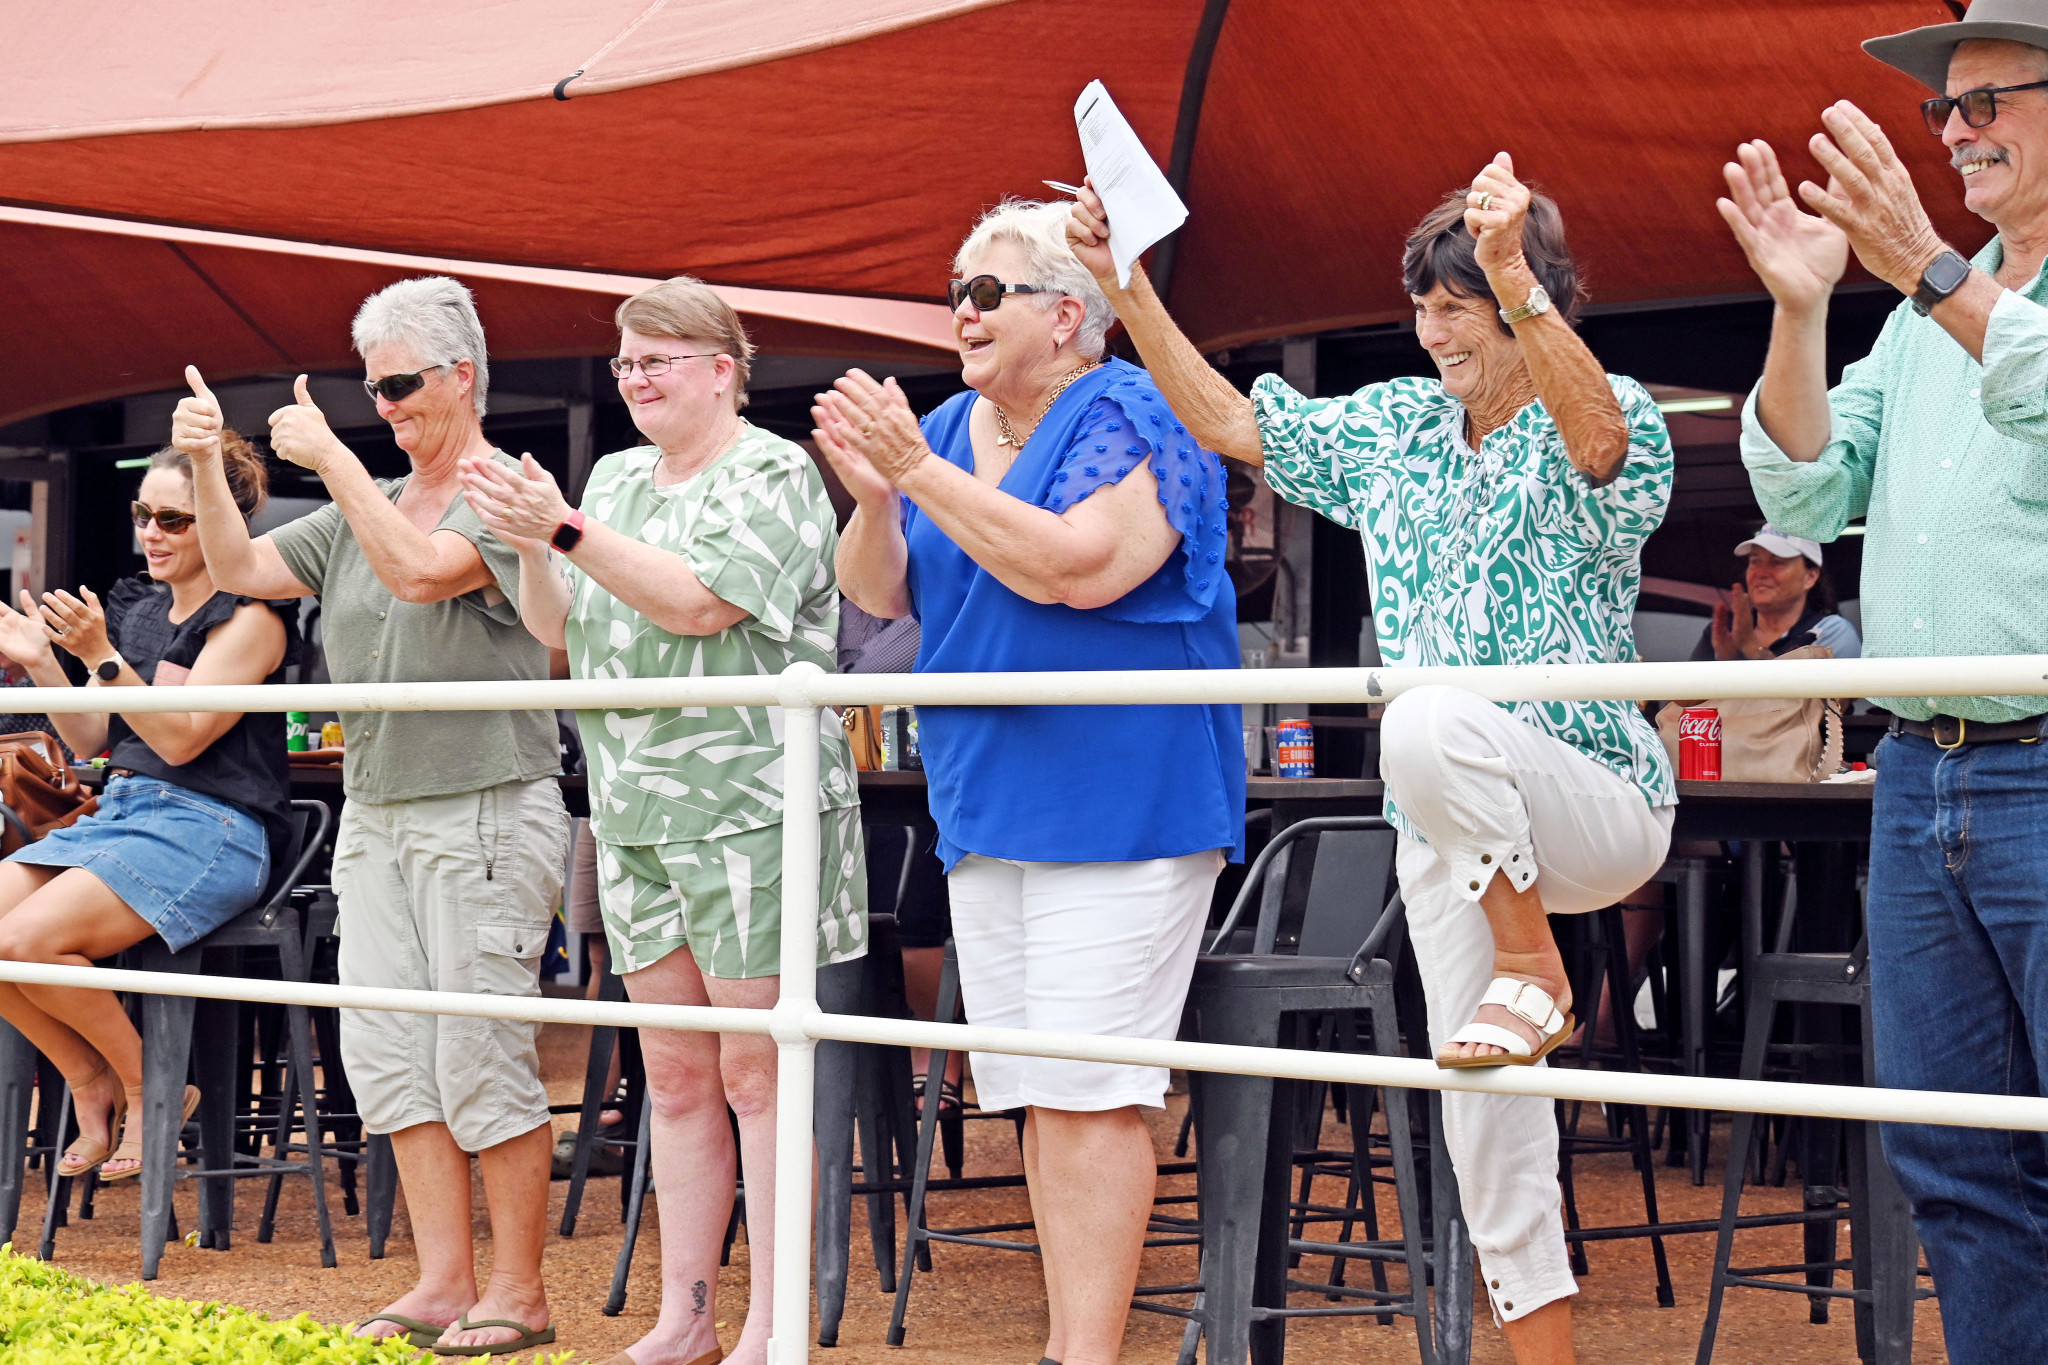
1295 749
1699 744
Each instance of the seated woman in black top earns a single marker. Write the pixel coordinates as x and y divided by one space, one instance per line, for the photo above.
181 842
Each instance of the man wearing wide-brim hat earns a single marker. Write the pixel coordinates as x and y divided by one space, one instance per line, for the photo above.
1940 439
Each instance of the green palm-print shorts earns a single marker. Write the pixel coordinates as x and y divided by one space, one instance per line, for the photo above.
723 899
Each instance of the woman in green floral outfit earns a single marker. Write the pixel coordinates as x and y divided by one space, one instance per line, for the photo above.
1503 505
706 552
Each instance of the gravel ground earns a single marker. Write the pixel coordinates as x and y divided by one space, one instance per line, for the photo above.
980 1305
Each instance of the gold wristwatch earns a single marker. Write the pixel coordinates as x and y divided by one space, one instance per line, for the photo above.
1537 304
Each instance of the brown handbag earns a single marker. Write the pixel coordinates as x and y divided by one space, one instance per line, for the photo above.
864 735
38 786
1770 739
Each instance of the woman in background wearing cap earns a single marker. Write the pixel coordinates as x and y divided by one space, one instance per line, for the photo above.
1784 602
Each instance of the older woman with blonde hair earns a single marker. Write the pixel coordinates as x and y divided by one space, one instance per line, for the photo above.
1058 516
706 551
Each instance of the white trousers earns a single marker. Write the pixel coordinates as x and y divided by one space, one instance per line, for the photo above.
1490 793
1103 948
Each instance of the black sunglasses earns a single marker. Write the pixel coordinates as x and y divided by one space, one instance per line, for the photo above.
170 518
393 387
1979 107
987 292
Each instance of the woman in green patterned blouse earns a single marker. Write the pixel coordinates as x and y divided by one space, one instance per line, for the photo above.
1503 504
707 551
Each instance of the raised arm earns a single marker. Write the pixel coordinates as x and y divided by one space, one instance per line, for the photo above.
1799 257
524 510
1568 378
873 565
1087 556
1218 416
236 562
417 566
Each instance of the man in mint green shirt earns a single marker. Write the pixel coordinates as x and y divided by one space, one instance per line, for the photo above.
1939 438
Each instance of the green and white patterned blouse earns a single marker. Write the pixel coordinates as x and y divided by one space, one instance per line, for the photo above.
757 528
1506 555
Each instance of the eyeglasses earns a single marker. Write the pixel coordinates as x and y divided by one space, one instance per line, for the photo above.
1979 107
171 519
393 387
652 365
987 292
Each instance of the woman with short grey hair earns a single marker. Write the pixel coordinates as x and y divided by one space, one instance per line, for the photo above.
450 853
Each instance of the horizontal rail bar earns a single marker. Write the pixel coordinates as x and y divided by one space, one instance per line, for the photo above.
1945 1108
1970 676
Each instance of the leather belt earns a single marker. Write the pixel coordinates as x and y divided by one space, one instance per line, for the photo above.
1953 732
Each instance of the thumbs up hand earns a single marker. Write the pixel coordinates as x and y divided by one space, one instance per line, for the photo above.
299 433
196 425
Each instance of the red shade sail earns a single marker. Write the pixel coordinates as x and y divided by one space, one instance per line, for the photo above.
845 148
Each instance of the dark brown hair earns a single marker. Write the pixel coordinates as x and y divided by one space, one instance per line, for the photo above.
248 477
1440 251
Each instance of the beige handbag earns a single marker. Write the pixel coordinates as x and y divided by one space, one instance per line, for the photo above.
1770 739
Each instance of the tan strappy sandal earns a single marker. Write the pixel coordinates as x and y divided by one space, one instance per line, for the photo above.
86 1154
131 1147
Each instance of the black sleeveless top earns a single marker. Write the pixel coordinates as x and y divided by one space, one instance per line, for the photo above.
246 767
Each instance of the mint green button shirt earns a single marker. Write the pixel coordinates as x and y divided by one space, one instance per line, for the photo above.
1947 460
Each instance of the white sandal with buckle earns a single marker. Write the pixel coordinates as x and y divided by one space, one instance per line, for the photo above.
1529 1003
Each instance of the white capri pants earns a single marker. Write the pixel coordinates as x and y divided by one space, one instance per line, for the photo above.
1102 948
1490 793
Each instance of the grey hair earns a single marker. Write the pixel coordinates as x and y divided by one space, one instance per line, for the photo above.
1040 229
436 317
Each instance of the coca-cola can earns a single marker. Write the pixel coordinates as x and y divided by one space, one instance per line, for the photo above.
1699 744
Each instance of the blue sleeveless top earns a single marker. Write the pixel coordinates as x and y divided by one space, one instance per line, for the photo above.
1083 784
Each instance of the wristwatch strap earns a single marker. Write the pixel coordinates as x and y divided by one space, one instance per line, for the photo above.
1944 275
568 533
1537 304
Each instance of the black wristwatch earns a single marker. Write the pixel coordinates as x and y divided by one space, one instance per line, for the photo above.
108 669
1944 275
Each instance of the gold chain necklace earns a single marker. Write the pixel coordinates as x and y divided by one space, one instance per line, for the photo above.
1007 435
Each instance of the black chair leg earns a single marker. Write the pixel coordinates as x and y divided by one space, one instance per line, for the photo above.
215 1068
17 1091
916 1248
598 1065
380 1184
832 1126
59 1193
615 1303
302 1064
1451 1261
166 1048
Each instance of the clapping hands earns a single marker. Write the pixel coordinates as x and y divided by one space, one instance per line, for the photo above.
523 509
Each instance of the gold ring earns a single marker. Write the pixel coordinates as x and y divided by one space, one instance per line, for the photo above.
1484 200
868 429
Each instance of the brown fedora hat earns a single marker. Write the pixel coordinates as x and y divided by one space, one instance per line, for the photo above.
1923 53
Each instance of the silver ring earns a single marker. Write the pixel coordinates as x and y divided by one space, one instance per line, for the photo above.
1484 200
868 429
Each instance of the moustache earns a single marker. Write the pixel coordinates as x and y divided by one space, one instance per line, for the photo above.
1962 156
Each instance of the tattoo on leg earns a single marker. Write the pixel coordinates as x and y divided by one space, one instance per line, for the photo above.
698 1295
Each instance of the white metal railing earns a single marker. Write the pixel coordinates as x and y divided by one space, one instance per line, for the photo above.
796 1023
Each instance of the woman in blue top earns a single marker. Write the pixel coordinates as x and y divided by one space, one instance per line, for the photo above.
1059 517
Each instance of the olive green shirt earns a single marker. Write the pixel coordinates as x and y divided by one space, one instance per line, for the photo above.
372 637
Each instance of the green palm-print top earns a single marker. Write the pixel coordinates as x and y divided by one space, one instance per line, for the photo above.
1507 555
757 528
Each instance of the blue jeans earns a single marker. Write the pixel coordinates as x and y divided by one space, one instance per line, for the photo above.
1958 918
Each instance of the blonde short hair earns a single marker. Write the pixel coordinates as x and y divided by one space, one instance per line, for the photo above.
1040 229
687 309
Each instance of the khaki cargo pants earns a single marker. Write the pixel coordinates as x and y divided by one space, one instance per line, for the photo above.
449 893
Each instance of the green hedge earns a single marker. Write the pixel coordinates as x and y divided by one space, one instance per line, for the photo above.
49 1316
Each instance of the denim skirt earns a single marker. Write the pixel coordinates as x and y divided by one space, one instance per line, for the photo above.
184 862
